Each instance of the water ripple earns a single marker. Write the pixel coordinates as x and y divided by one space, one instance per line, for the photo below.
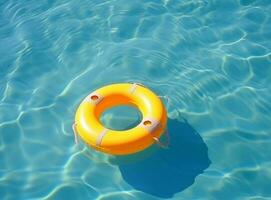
211 59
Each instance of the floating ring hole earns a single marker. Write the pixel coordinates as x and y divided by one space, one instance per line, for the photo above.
121 117
147 123
94 97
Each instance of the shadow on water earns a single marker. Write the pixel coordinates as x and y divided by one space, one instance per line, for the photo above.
164 172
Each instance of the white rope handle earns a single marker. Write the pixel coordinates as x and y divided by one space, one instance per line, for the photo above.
164 145
164 96
75 133
168 100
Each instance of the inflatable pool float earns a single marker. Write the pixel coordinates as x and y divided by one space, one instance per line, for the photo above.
88 126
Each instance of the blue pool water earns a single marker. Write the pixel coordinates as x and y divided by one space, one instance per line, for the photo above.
211 58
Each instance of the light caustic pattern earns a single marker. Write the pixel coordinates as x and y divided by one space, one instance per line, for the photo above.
212 58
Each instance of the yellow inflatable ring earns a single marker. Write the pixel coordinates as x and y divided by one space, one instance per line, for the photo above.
152 126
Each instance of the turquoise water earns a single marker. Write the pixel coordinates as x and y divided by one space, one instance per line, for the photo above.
211 58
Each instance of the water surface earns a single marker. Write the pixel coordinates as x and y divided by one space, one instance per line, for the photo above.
211 58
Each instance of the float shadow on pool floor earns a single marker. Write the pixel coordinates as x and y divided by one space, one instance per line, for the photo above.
164 172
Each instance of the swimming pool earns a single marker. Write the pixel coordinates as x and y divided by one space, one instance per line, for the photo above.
211 58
